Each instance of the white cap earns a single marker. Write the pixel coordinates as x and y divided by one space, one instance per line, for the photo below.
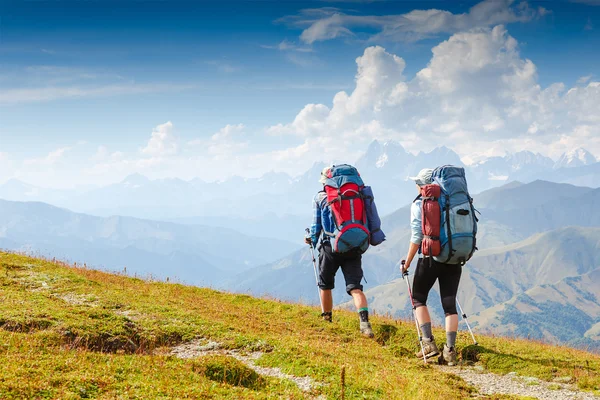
424 177
324 173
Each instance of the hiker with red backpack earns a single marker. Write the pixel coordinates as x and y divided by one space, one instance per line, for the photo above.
443 229
345 220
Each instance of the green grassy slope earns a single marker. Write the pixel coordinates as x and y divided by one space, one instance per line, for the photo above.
68 332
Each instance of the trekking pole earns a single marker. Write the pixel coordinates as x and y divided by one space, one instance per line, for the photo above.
466 320
412 302
314 261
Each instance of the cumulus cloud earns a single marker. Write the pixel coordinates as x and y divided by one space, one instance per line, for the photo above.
162 141
229 140
475 94
330 23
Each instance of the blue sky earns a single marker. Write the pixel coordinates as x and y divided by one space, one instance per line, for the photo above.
91 91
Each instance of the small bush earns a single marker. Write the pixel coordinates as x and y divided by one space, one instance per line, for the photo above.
471 353
228 370
384 332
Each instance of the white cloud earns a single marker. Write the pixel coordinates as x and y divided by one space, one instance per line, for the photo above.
228 141
49 160
330 23
475 93
41 94
162 141
286 45
104 155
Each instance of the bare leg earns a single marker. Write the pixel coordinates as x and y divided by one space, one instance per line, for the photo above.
360 300
423 316
326 300
452 323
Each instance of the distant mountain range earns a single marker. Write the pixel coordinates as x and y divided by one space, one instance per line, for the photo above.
196 254
279 205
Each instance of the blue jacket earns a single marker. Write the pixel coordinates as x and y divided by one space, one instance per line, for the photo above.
322 218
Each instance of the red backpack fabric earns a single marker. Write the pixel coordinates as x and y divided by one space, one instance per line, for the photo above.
431 220
343 188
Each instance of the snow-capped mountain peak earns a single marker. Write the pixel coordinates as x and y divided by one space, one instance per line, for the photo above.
382 160
575 158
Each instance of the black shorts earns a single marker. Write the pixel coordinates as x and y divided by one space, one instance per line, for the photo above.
329 263
427 272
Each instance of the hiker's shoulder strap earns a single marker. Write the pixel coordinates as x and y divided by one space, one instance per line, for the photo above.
417 198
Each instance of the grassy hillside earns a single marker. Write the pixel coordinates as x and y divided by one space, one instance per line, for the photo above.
69 332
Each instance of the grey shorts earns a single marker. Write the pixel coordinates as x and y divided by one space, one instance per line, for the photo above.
330 262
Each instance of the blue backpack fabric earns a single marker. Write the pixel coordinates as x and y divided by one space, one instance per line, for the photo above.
459 224
339 175
373 220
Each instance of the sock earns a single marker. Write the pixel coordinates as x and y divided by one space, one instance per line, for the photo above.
364 314
450 339
426 331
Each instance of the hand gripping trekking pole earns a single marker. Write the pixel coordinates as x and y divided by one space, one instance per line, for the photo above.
314 261
412 302
466 320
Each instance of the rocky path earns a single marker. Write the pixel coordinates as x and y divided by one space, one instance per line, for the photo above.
199 348
488 384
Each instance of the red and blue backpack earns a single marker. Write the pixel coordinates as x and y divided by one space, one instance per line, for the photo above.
343 186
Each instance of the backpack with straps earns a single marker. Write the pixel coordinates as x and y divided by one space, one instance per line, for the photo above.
458 222
343 187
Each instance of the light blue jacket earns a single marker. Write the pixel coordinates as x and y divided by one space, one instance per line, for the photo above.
416 232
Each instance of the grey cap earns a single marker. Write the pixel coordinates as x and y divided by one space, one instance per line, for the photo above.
424 177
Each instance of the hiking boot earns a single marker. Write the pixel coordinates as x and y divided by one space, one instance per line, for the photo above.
430 349
449 354
327 316
365 329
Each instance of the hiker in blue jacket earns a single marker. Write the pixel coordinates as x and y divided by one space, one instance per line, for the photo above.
330 262
427 272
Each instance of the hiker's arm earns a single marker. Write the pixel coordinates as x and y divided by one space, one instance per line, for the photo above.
315 227
412 251
416 236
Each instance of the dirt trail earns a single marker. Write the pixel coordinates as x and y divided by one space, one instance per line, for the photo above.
199 348
489 383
